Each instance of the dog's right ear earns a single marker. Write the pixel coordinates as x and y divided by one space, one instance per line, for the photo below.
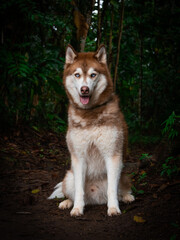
71 54
100 54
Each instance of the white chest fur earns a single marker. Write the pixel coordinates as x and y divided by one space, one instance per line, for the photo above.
93 145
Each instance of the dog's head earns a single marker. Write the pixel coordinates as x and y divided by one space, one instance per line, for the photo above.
86 78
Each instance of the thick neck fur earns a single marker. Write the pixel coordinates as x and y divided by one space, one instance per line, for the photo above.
105 114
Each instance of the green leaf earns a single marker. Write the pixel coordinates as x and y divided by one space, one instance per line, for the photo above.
140 191
35 128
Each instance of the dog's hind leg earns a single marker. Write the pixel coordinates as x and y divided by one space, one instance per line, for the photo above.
95 192
66 204
68 187
68 190
124 192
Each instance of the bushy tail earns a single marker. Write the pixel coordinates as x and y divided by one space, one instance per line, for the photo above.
57 192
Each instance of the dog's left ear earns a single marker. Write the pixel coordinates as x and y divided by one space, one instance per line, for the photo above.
71 54
101 54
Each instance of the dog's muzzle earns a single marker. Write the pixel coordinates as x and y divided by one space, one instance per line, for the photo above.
84 97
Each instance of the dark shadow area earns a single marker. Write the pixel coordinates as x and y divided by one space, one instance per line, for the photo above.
32 163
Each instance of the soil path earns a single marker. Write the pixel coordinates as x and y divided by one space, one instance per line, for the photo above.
31 163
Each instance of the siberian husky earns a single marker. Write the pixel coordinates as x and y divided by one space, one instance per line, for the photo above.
96 136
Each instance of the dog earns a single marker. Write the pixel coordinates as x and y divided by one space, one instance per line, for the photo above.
96 136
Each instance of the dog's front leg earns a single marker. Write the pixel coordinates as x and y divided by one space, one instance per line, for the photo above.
114 168
79 170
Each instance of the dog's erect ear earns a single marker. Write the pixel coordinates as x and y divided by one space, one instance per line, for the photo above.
71 54
101 54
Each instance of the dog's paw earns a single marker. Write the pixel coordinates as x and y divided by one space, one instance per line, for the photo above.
66 204
76 212
113 211
128 198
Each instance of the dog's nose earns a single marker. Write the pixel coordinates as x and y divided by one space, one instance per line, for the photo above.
84 90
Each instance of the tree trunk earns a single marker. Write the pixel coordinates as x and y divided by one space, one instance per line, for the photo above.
103 11
141 79
119 42
99 26
88 17
82 21
110 40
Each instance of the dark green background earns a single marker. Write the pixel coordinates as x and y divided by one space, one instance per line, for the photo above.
34 35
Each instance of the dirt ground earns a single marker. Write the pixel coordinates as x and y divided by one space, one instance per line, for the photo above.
31 163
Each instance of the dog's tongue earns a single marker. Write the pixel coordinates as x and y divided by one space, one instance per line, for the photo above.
84 100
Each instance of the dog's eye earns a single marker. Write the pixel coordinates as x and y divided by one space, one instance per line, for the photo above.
93 75
77 75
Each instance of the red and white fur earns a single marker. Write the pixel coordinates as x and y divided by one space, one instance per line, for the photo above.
96 136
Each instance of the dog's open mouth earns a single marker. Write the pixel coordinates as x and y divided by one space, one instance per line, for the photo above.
84 99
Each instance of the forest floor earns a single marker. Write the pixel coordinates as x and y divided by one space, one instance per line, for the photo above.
32 163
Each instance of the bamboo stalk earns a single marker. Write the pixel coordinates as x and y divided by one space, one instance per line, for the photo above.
99 25
119 42
110 40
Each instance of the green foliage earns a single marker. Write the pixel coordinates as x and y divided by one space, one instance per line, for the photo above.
145 156
173 237
34 36
56 123
32 89
169 168
159 39
169 126
136 191
176 227
142 176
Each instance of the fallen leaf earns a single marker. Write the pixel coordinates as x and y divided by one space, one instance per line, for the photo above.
154 185
139 219
162 187
34 191
17 133
23 152
155 195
